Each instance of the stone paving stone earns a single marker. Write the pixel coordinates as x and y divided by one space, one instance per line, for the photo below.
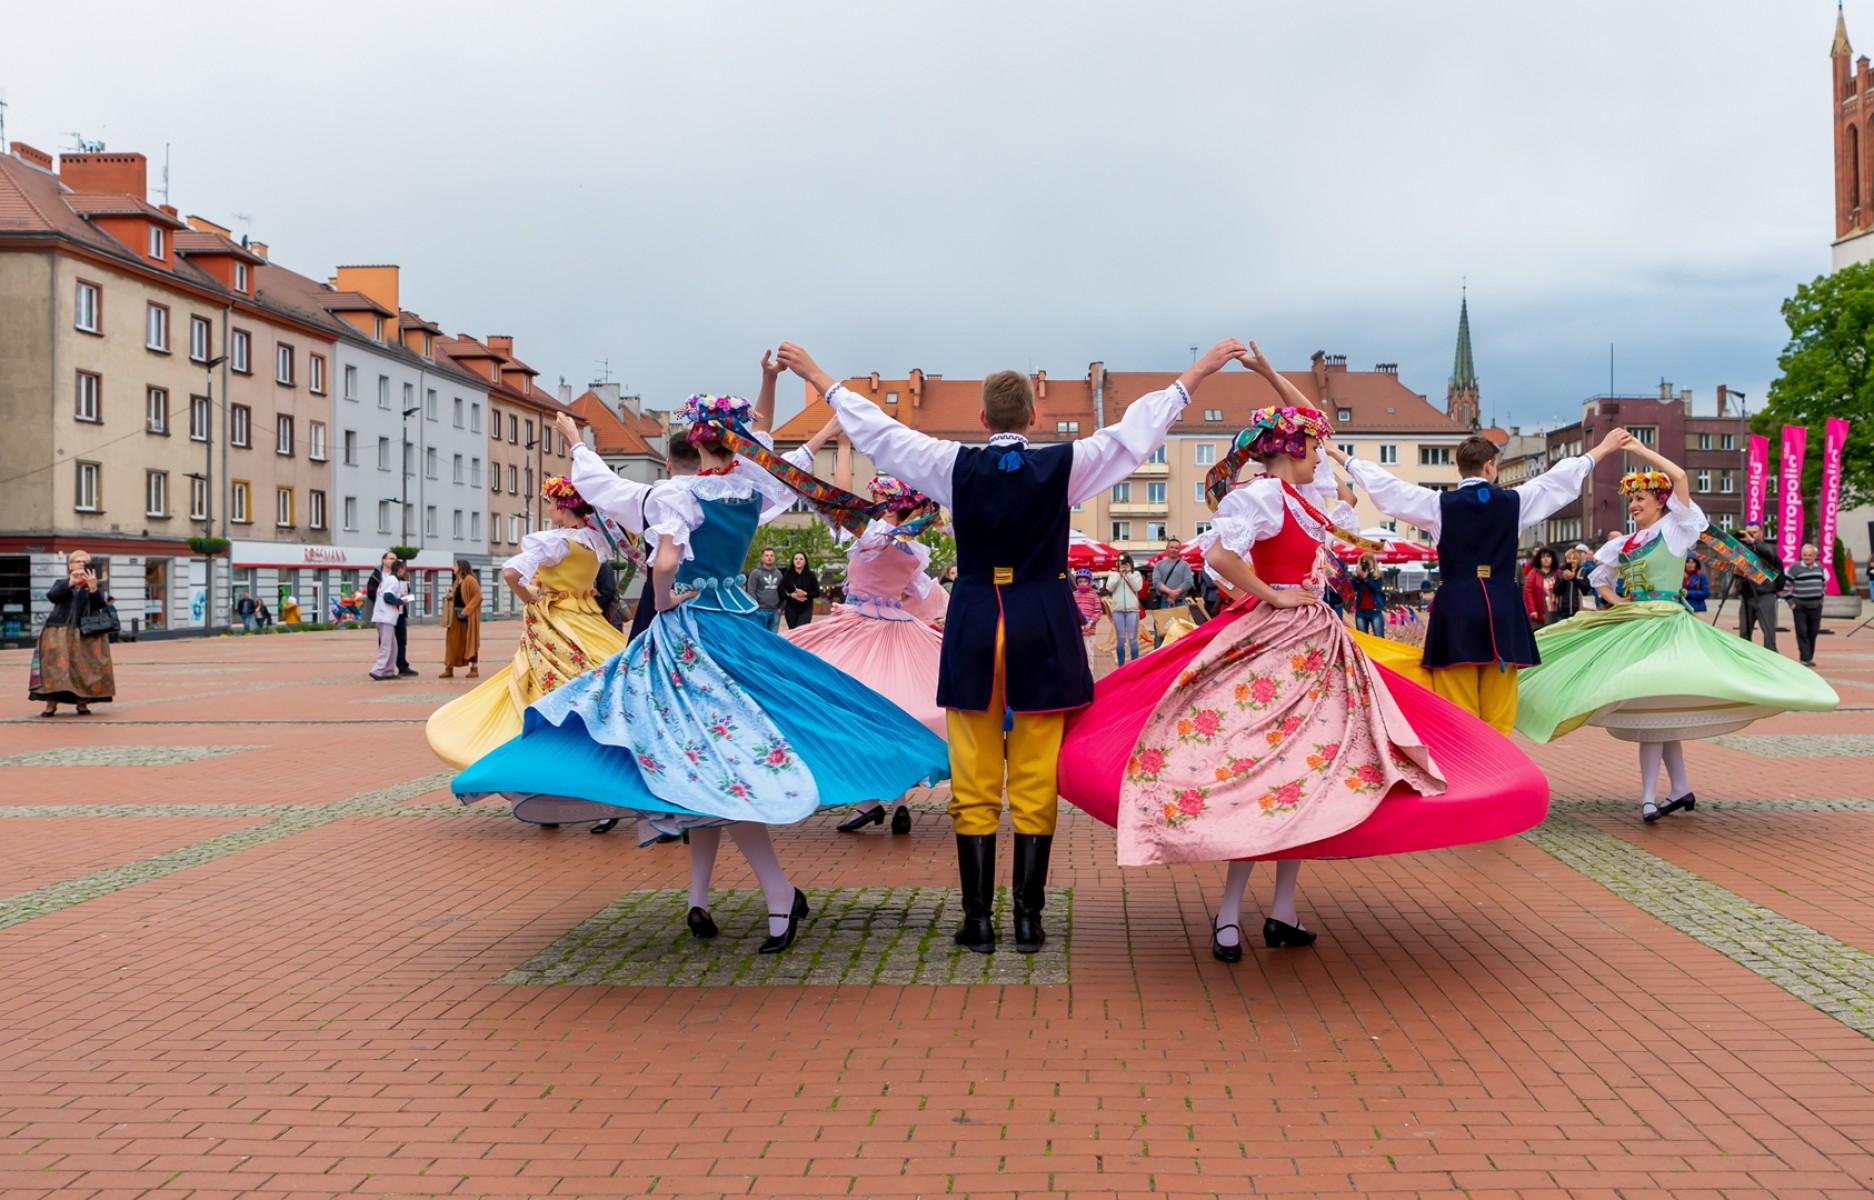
433 699
1799 745
854 936
119 756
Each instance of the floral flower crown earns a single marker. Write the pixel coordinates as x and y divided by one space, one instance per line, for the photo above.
709 415
1645 481
1283 430
560 490
895 494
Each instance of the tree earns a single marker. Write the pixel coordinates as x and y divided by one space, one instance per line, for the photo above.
1826 372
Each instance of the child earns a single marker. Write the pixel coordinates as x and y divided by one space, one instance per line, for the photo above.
1088 602
390 600
1478 636
1011 647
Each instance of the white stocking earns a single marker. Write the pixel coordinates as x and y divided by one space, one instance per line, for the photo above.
1650 754
1230 910
1675 769
751 838
1282 904
704 842
866 806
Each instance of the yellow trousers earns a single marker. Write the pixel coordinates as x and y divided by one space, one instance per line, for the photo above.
982 754
1487 691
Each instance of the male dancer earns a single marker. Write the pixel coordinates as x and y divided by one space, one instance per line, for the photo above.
1477 634
1013 663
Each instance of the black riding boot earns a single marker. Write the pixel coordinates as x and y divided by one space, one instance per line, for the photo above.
976 870
1029 893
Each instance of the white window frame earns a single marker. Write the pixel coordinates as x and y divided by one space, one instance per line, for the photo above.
198 498
348 509
383 516
455 524
1703 482
283 435
315 509
240 425
240 277
156 327
159 245
348 445
283 508
475 472
283 365
156 493
1206 454
201 338
383 392
430 461
198 418
240 502
315 441
88 481
475 526
1213 414
1157 456
88 398
240 343
383 454
430 409
1122 493
514 529
1158 486
429 520
456 411
1389 454
156 410
87 308
1122 531
351 383
458 470
475 417
315 373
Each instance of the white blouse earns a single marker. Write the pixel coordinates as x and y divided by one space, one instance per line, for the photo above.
1680 525
672 510
1254 512
545 547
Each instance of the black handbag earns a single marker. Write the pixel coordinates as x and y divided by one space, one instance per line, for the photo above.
94 623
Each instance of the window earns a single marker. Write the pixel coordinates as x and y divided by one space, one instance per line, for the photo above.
562 450
514 430
240 277
891 397
1156 456
1389 455
429 405
1206 454
350 447
494 530
315 441
429 521
456 411
1203 527
239 416
1343 415
383 454
409 398
1703 442
1727 482
350 511
351 383
156 493
475 418
1646 435
201 339
494 477
1703 483
1122 531
198 498
156 411
1122 493
429 463
89 405
527 476
475 472
1347 449
456 525
1155 493
1213 414
283 435
514 479
283 365
238 496
1067 427
156 328
315 509
458 472
1154 531
1724 522
409 459
198 418
283 507
85 310
1727 441
383 516
475 526
158 242
383 392
1197 492
89 478
514 530
237 351
531 443
1434 456
315 373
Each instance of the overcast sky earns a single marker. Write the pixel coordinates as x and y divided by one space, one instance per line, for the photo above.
968 186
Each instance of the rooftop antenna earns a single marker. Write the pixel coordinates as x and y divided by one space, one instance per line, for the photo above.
1193 355
165 172
244 219
3 125
605 370
84 145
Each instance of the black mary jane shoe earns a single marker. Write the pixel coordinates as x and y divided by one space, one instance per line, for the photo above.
778 942
1650 812
1223 953
1685 803
606 826
1276 934
875 816
701 924
901 820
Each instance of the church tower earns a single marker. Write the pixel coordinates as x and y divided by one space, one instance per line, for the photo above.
1461 400
1853 105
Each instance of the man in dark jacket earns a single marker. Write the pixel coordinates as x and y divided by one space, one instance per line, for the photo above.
403 614
1756 602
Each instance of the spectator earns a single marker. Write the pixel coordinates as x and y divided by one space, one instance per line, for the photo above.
72 658
948 579
244 608
1807 582
263 616
1369 597
764 584
1757 601
1091 608
385 609
800 587
462 623
389 561
1125 592
1697 584
1572 590
1539 587
1171 584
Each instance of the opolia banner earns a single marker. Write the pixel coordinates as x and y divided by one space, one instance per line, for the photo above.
1756 479
1834 437
1789 494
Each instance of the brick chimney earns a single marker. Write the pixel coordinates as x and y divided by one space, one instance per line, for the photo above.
917 387
260 248
1096 379
501 343
1724 399
27 154
875 381
116 174
1318 364
1041 385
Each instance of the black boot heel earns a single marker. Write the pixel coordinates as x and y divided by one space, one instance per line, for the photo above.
1276 934
1028 894
874 817
701 924
778 942
976 871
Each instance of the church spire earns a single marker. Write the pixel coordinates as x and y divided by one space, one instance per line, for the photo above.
1461 394
1841 48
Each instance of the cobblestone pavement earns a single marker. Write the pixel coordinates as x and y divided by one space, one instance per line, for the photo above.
250 946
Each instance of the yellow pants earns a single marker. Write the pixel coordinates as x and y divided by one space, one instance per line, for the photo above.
981 754
1488 691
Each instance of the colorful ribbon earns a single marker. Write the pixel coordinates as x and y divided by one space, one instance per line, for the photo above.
1723 552
1316 515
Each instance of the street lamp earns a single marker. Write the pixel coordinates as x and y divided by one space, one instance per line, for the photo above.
403 504
208 495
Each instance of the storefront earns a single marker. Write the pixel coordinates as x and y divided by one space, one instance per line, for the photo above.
158 586
318 579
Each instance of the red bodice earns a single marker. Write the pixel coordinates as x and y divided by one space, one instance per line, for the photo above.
1289 556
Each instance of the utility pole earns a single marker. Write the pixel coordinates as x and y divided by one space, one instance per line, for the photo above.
208 498
403 503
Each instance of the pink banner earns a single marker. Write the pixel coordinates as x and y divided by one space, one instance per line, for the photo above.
1834 437
1756 477
1789 500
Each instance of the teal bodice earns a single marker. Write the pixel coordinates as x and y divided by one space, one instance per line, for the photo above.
1653 572
718 548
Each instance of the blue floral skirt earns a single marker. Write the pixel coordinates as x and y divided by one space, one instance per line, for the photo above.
705 719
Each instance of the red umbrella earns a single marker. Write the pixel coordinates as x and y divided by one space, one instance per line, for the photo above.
1083 551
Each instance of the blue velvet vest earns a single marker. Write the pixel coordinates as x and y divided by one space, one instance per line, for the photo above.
1477 617
1011 530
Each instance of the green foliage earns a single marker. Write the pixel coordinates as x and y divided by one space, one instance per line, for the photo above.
405 553
814 539
209 546
1826 372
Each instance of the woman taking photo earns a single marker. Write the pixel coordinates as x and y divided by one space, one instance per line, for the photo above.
1369 598
1539 588
462 623
72 659
800 587
1125 591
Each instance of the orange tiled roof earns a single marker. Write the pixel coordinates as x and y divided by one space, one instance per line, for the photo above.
950 408
610 435
202 241
109 205
335 301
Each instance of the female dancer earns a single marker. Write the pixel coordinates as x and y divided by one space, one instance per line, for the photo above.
563 633
1643 667
882 635
708 720
1267 733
